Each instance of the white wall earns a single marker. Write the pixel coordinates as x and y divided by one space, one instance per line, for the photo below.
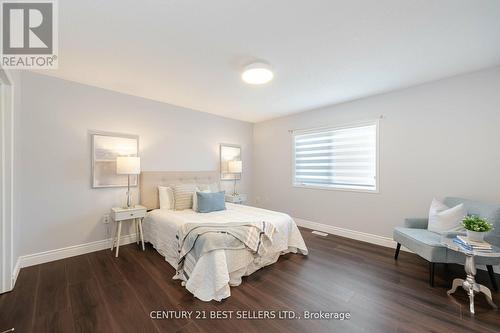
58 207
436 139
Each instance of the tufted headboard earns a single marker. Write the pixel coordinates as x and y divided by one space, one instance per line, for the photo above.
150 180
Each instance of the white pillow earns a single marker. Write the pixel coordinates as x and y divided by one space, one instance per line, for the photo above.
195 198
166 195
443 219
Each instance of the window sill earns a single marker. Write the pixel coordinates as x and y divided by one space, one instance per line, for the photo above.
337 188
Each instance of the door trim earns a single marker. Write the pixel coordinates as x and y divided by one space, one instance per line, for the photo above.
6 181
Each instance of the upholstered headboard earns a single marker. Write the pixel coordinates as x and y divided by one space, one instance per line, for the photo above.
150 180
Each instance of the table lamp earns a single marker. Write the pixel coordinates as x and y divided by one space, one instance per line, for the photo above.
128 165
235 167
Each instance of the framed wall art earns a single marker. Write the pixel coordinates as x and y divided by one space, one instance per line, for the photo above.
229 152
106 147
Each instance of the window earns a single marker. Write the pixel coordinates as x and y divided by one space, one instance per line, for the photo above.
342 157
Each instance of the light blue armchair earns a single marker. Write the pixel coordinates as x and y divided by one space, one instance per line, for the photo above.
415 236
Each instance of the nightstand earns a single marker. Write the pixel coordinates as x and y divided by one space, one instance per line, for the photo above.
134 214
236 198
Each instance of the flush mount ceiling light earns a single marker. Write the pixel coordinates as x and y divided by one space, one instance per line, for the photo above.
257 73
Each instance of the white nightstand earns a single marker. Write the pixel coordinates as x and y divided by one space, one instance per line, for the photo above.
237 198
134 214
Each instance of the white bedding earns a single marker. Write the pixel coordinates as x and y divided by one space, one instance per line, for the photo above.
217 270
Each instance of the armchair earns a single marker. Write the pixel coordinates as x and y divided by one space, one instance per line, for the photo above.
415 236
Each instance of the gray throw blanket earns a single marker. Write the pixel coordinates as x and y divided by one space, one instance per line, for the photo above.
196 239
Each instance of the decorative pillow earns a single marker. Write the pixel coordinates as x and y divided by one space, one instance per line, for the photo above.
183 196
166 196
443 219
195 198
211 202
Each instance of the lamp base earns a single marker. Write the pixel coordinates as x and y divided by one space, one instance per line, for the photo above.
129 196
234 188
129 201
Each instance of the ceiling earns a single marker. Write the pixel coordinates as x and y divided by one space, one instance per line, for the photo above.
190 53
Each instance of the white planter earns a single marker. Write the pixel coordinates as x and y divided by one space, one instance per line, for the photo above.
476 236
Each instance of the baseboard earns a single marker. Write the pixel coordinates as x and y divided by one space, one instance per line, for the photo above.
70 251
15 271
348 233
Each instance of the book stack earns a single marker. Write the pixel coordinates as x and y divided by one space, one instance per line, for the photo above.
469 246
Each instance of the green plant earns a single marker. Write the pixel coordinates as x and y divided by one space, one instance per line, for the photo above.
476 223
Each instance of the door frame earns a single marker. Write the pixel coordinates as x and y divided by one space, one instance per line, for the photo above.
6 181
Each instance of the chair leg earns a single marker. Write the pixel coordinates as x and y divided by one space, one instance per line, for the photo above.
396 254
431 274
492 277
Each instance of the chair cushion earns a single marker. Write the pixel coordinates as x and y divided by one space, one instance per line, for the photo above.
423 242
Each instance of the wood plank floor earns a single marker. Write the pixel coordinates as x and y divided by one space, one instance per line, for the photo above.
99 293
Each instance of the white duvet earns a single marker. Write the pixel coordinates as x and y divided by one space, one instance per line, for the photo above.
217 270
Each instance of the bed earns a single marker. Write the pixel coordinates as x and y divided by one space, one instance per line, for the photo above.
216 271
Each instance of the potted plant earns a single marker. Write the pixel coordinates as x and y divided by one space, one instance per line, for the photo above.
476 227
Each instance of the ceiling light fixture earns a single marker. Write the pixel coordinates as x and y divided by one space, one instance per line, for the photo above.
257 73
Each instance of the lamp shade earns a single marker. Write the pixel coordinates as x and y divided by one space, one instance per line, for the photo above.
128 165
235 166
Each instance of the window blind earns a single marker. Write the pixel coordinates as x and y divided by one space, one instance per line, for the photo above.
337 157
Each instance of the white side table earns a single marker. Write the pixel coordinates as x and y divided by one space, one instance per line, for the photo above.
469 284
135 214
236 198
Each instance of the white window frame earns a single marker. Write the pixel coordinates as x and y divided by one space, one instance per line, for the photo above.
346 188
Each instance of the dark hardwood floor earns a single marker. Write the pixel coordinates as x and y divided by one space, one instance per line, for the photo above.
99 293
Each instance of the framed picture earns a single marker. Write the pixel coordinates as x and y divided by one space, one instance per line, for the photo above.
229 152
106 147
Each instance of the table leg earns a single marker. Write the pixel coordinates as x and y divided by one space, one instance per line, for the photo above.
140 232
456 283
487 293
136 225
470 285
470 281
471 299
118 238
113 239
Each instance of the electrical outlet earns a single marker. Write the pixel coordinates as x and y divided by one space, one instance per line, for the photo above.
105 219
